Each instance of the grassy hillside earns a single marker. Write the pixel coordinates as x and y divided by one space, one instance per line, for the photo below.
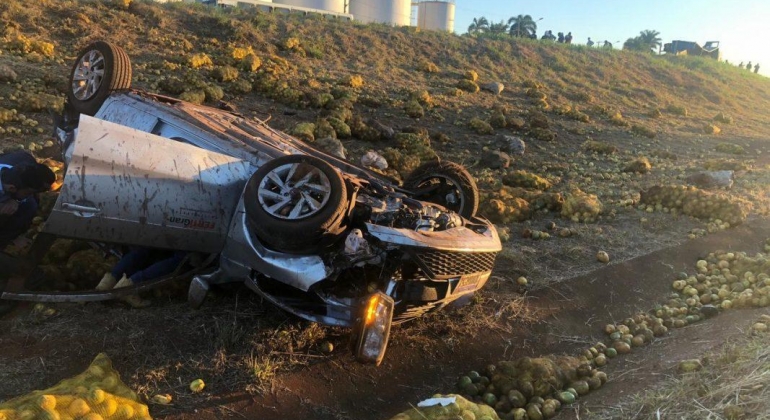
311 56
584 113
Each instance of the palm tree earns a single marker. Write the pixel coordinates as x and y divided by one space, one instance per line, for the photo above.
633 44
522 26
650 39
478 26
498 28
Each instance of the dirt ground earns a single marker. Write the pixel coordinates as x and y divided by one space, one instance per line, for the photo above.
561 318
257 361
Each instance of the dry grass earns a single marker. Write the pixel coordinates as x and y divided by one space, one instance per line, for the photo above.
734 380
496 309
234 343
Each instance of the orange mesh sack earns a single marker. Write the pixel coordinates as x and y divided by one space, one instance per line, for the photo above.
96 394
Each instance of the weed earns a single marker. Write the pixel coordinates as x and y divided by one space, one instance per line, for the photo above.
733 149
724 165
711 129
423 97
250 63
616 119
643 131
414 109
214 93
535 94
576 115
526 179
640 165
404 163
199 60
471 75
542 134
239 53
354 80
723 118
323 129
290 43
304 131
428 67
239 86
498 120
599 147
224 73
340 128
480 126
468 86
677 110
263 368
655 113
584 97
193 96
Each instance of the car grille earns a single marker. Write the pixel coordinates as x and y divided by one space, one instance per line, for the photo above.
447 264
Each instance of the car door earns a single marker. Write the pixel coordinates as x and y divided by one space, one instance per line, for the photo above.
130 187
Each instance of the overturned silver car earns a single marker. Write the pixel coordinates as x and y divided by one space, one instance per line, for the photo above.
315 235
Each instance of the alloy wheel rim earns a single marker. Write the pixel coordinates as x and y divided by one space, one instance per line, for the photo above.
294 191
88 75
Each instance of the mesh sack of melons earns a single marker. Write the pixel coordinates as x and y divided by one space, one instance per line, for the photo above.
96 394
461 408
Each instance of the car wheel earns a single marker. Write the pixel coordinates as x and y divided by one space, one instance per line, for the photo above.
447 184
100 69
296 204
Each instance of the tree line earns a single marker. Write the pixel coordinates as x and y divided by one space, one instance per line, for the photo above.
523 26
648 40
519 26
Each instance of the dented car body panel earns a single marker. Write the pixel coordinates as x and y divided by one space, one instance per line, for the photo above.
136 188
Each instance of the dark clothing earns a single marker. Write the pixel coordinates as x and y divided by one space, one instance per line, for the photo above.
142 264
561 37
13 225
16 158
568 38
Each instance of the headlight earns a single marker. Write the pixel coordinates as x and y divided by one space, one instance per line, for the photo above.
371 340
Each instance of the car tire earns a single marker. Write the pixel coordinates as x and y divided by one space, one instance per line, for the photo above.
449 178
100 69
283 217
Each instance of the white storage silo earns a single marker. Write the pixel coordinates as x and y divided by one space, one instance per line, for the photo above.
394 12
436 15
337 6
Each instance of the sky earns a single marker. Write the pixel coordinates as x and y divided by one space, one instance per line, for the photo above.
741 26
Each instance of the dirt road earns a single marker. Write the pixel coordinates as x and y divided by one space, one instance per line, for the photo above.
570 315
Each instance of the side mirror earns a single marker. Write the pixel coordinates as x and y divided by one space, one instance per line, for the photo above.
373 329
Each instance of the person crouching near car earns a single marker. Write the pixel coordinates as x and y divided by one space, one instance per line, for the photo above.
139 265
21 178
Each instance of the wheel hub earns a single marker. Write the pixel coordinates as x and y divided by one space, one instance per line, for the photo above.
88 75
294 191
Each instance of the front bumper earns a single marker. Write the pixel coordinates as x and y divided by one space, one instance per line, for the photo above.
445 265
